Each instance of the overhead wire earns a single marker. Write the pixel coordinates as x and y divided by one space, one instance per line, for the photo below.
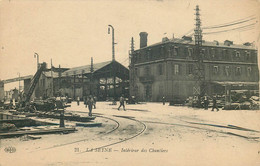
250 25
236 22
240 21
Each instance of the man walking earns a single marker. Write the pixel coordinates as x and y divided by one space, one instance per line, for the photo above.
122 102
214 103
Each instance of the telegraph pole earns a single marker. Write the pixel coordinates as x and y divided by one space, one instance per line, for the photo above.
132 69
198 89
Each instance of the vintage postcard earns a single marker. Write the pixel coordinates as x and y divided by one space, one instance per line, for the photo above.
144 82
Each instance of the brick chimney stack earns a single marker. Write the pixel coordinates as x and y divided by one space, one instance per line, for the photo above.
143 39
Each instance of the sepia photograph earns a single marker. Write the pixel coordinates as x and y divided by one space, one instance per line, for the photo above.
122 82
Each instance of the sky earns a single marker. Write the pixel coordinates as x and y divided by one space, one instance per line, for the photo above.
70 32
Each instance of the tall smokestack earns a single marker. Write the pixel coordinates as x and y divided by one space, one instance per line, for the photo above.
143 39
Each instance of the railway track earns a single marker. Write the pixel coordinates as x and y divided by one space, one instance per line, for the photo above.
124 140
109 132
208 129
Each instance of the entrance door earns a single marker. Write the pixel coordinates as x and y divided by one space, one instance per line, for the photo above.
148 92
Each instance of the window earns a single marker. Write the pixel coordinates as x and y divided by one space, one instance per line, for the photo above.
249 70
225 54
172 50
190 69
227 71
136 72
161 89
215 70
212 52
147 70
176 69
162 51
237 54
190 52
176 51
238 71
203 52
247 55
160 69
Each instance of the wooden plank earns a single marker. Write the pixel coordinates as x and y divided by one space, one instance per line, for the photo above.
42 131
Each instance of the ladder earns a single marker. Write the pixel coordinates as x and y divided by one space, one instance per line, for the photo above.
34 82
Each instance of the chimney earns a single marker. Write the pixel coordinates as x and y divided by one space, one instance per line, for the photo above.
143 39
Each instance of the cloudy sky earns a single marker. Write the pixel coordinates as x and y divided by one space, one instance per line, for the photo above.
71 32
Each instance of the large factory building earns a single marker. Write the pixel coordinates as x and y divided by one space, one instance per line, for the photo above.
167 68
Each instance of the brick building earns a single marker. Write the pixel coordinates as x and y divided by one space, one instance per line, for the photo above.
167 68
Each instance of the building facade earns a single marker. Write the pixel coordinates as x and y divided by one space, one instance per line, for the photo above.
167 68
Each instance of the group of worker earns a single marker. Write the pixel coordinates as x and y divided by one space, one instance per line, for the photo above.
90 102
206 102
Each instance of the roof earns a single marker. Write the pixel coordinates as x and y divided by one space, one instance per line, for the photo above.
16 79
49 74
204 43
85 69
235 83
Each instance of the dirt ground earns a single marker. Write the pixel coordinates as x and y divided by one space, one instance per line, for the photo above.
146 134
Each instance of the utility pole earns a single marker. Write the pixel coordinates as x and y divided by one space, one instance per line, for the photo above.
199 88
37 56
60 82
19 82
37 68
113 60
52 81
91 77
113 41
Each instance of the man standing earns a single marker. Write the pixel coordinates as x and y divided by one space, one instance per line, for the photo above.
122 102
163 100
78 100
94 102
206 102
90 105
214 103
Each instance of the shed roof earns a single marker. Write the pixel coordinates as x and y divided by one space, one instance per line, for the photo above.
85 69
